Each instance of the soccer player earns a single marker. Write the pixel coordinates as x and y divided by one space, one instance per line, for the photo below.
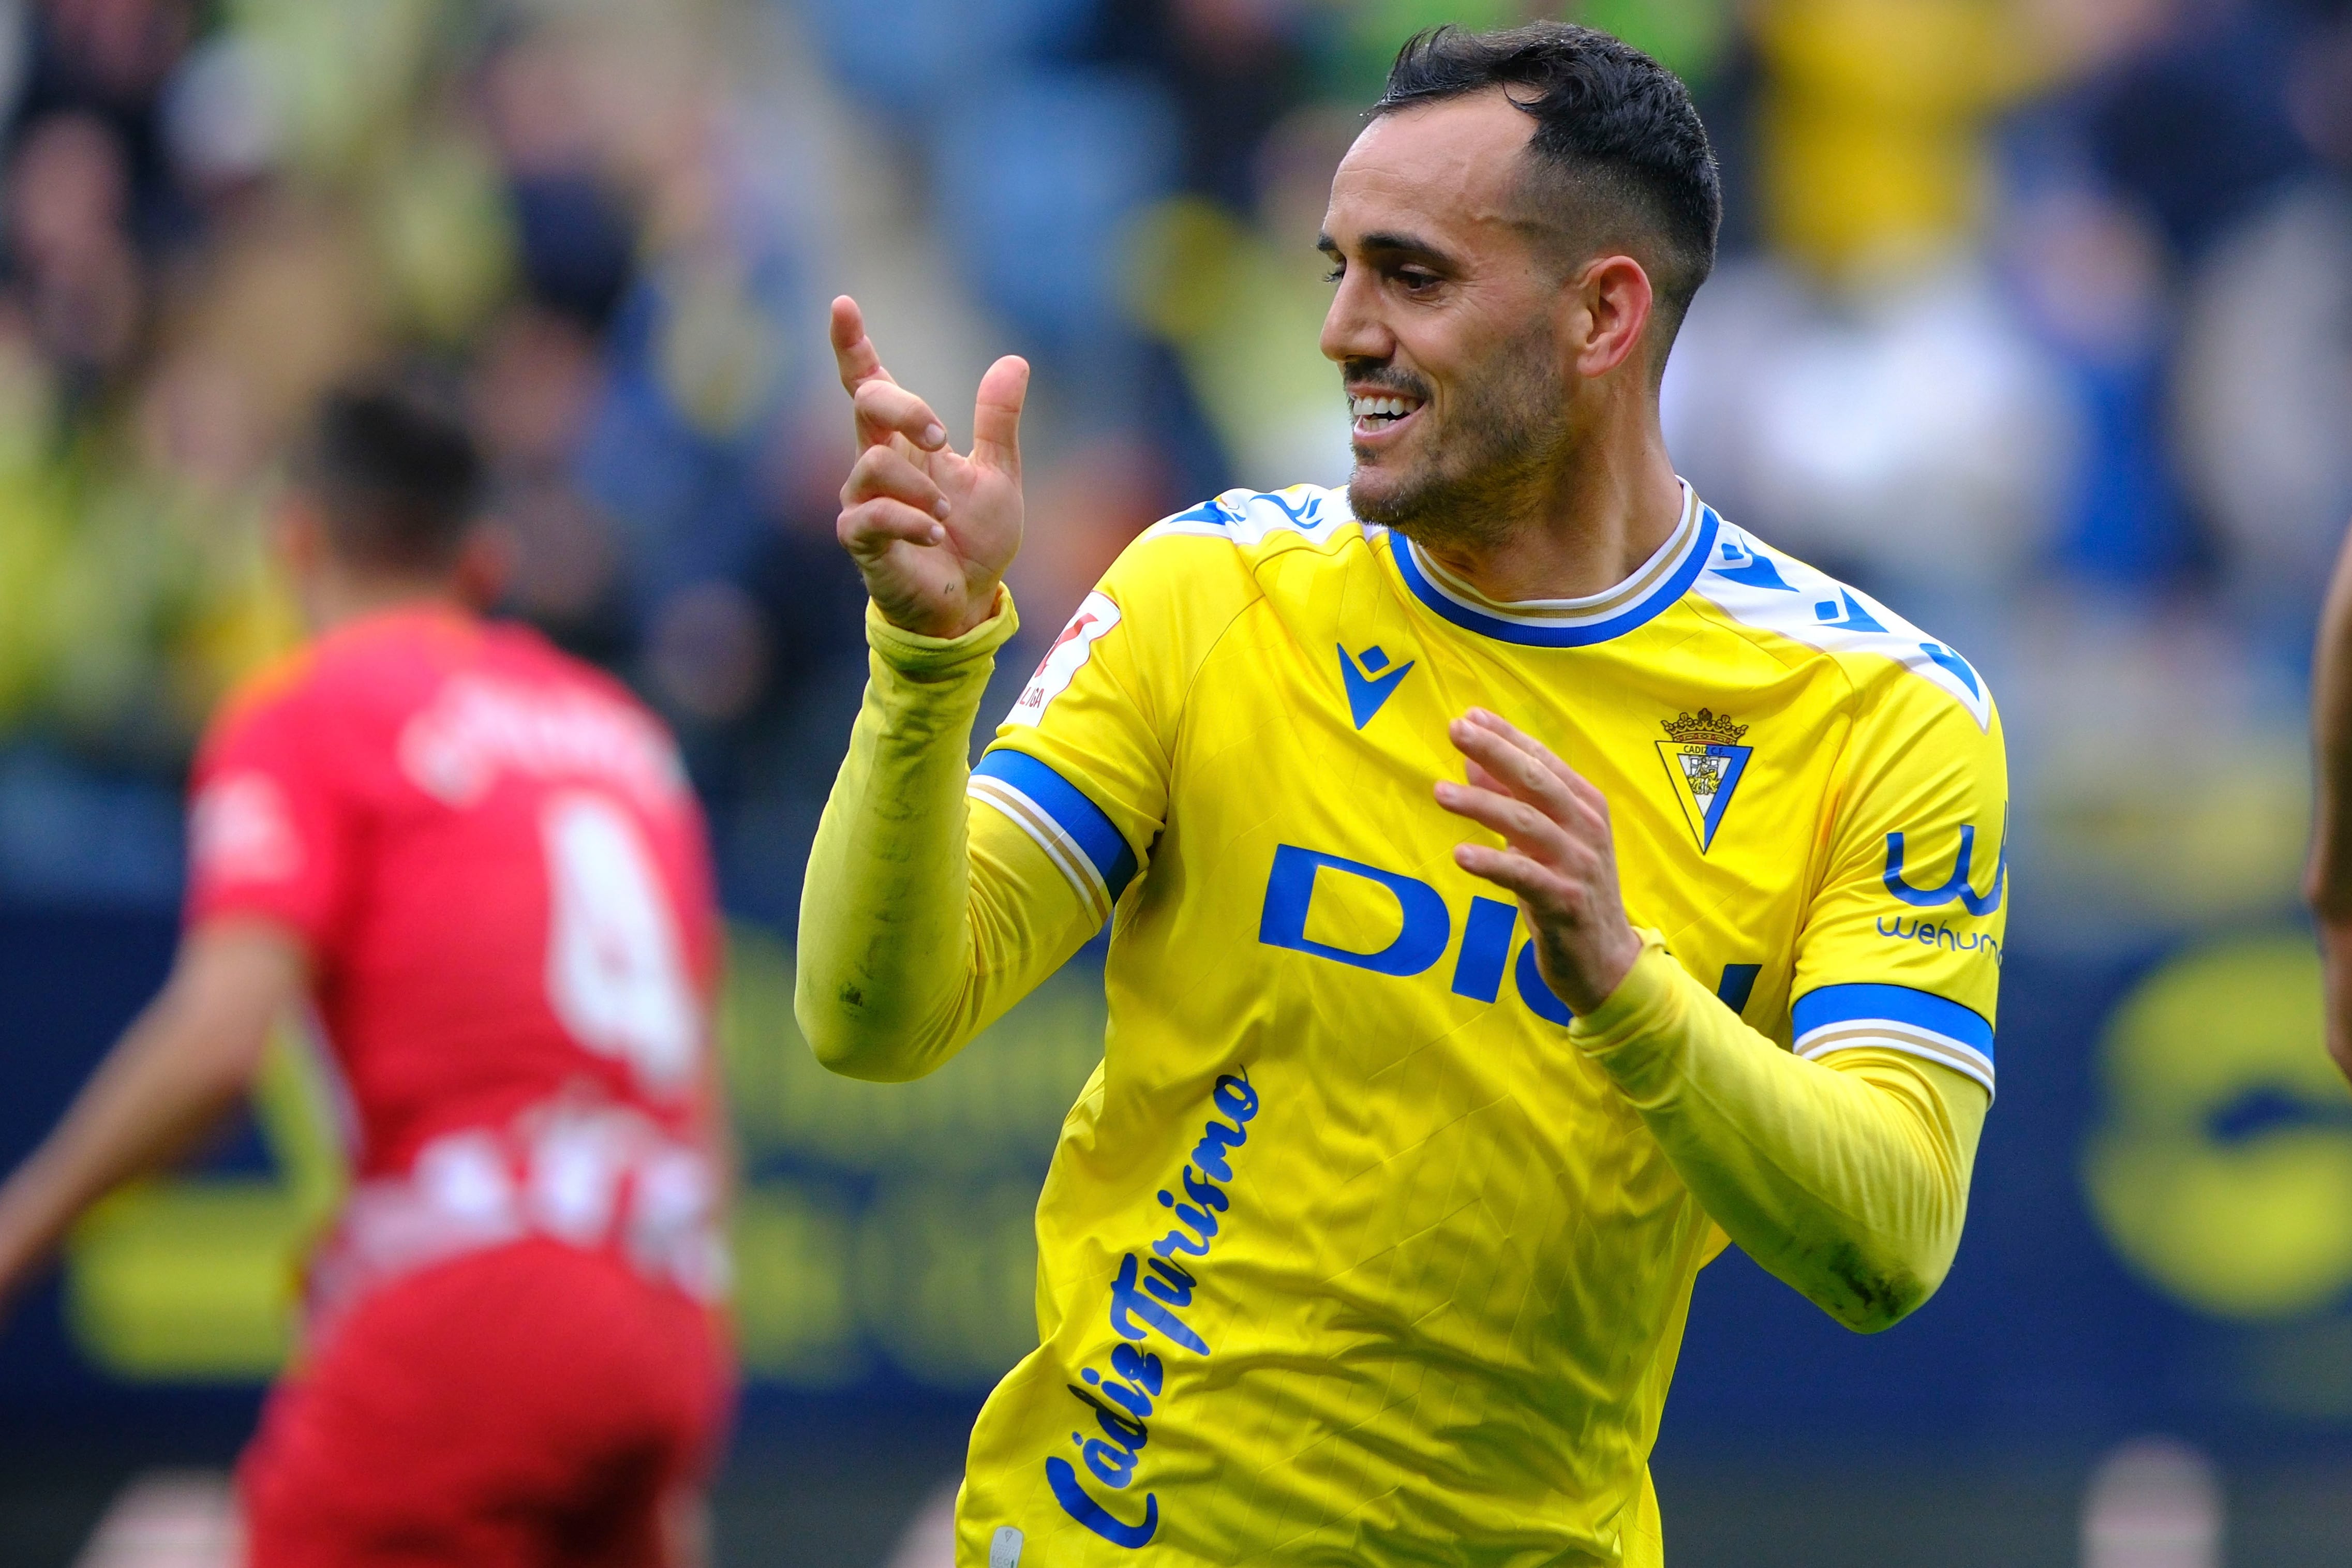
478 861
1521 880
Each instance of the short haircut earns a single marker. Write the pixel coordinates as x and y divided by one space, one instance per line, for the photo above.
395 474
1617 138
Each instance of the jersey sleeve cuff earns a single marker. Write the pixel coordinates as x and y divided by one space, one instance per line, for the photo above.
1935 1028
913 654
1640 1000
1632 1035
1639 994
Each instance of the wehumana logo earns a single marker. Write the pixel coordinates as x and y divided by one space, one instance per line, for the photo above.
1935 934
1955 886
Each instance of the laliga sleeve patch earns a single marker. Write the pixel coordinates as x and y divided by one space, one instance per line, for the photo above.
240 831
1064 659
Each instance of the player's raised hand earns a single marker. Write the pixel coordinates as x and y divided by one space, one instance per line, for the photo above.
1558 855
931 530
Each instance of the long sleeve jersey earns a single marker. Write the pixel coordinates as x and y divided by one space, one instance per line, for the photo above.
1358 1247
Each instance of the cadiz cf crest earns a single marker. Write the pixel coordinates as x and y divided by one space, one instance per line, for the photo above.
1705 759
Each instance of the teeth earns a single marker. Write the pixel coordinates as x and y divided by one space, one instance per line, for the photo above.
1380 407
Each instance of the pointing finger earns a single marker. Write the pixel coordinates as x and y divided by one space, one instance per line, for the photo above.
852 350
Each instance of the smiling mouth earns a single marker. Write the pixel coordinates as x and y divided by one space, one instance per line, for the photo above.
1376 415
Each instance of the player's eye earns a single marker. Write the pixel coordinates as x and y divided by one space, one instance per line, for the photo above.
1336 274
1415 280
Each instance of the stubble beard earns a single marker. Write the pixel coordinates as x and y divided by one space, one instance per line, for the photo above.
1491 466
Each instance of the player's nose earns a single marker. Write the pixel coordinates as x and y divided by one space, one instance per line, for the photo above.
1352 329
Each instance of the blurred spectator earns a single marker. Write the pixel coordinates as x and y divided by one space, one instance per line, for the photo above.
578 242
1868 396
2022 301
107 60
1908 434
535 384
2263 392
1233 68
1872 129
2095 284
2190 119
1241 299
70 251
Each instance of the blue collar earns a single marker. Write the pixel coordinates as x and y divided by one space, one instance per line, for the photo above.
1673 568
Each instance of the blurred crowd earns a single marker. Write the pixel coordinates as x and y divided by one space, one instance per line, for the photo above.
2034 318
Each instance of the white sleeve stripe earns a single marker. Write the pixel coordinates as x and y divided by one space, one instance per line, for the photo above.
1063 850
1887 1034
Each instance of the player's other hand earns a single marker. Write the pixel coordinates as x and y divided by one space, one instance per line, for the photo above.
931 530
1558 855
2335 957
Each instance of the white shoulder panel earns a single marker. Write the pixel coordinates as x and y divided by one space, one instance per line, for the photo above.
1248 517
1755 584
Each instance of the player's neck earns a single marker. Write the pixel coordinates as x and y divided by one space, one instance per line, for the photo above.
1606 511
334 599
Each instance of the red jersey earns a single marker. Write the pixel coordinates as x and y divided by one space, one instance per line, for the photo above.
501 877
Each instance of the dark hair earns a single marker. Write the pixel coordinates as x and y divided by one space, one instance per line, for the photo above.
1615 130
395 473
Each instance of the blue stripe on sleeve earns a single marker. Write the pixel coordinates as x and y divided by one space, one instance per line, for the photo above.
1087 823
1921 1009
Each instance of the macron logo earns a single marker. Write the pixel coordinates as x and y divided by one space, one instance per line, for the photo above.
1369 681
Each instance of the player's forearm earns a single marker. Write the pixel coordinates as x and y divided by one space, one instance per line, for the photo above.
885 983
2328 879
1848 1181
171 1077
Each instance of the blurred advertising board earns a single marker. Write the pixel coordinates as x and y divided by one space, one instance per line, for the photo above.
2161 1233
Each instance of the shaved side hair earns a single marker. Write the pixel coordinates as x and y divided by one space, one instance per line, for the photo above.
1618 159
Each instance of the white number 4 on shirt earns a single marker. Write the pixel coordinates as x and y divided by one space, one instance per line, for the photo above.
615 973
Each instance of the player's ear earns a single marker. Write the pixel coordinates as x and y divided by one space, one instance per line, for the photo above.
299 535
485 564
1614 303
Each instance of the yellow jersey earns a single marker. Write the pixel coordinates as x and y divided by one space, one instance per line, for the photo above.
1345 1256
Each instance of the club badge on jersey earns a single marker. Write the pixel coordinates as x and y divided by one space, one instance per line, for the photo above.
1704 761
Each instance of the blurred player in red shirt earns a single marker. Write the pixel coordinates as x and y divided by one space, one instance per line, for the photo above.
478 861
